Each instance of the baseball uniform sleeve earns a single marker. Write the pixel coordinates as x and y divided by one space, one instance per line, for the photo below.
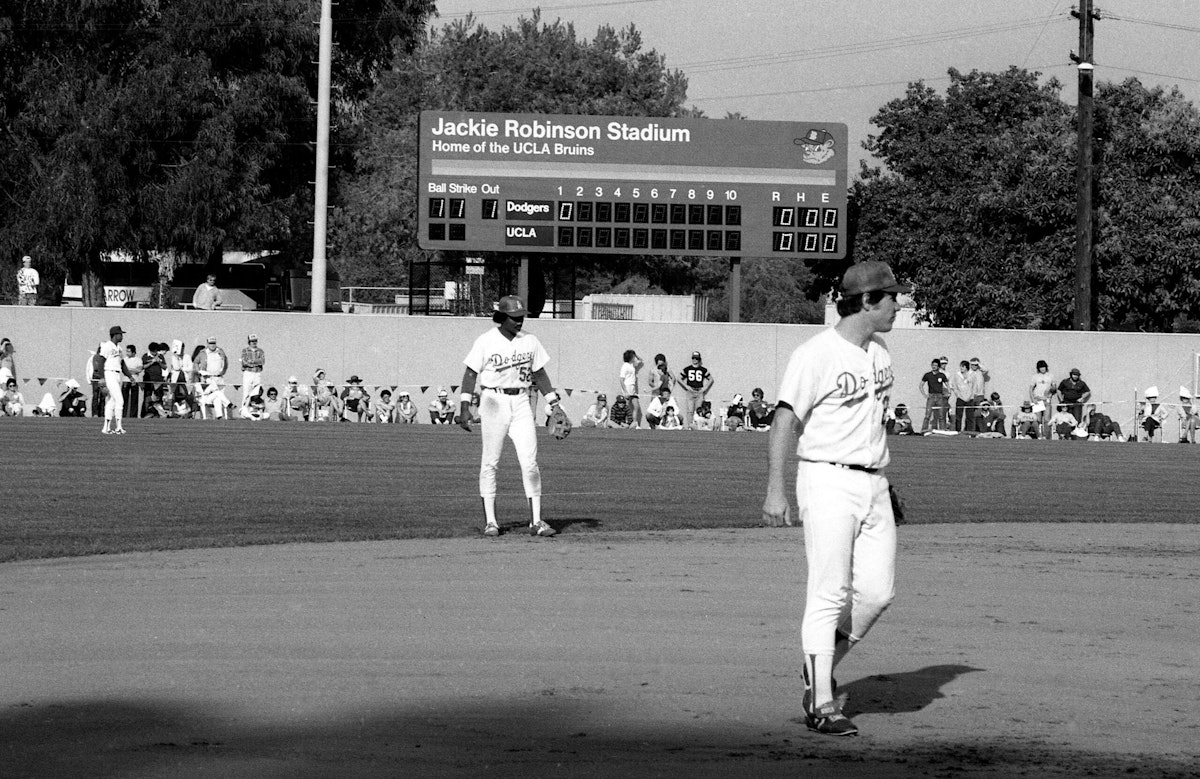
474 358
540 356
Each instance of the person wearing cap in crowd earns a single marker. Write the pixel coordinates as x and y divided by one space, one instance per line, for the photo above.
627 382
114 369
1073 391
977 379
830 412
986 423
697 381
1026 423
207 296
406 410
507 363
1187 417
210 366
441 410
253 360
620 413
735 414
72 403
597 413
12 402
356 401
383 410
297 401
27 282
1042 391
1153 413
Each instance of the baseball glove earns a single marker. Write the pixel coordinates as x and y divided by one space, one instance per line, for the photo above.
560 424
897 505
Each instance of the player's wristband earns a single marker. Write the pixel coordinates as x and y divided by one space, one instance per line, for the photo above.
552 397
465 397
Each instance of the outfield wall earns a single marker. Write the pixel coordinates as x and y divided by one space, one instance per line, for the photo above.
421 354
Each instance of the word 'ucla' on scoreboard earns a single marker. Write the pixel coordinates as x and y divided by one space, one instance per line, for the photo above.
631 185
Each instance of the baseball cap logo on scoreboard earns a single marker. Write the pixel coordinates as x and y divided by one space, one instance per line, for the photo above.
536 210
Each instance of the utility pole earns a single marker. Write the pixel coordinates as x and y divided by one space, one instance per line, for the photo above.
1084 265
321 183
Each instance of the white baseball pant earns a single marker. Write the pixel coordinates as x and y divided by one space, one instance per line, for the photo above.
503 415
850 547
115 404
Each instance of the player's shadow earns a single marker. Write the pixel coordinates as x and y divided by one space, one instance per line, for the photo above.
901 692
558 523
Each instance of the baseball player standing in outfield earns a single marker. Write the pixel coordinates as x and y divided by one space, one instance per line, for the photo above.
114 368
507 362
697 381
832 403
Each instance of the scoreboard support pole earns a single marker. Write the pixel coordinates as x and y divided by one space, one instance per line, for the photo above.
735 289
523 278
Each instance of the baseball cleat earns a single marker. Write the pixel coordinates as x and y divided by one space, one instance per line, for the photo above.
491 530
828 720
540 528
806 698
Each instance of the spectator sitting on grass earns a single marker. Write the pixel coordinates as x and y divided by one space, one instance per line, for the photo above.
1063 423
760 411
735 414
441 410
383 410
155 406
72 403
1025 421
597 413
671 421
274 407
406 410
986 423
656 410
12 402
621 413
181 403
702 419
899 422
255 408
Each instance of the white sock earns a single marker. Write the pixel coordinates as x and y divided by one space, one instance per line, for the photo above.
535 509
489 509
820 671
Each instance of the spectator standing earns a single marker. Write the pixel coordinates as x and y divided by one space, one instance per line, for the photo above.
697 381
660 376
1042 391
960 390
211 362
253 360
441 410
597 413
27 283
628 381
8 364
131 386
406 410
207 296
1073 391
1187 417
154 374
72 403
94 370
934 386
978 376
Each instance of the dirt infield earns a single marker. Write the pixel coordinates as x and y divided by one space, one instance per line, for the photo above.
1013 649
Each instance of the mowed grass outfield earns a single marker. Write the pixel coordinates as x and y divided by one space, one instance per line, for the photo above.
67 490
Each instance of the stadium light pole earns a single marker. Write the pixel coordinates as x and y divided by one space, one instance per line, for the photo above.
321 182
1084 264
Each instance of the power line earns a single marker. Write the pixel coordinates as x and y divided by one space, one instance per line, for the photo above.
572 7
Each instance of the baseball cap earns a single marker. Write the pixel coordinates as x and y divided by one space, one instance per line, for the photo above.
212 339
115 330
26 258
871 276
404 394
293 380
695 355
442 393
511 305
602 396
1074 371
814 136
252 337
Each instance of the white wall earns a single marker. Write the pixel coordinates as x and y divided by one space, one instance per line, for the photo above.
417 352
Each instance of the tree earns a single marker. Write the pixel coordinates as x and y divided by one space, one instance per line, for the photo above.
532 67
170 126
975 203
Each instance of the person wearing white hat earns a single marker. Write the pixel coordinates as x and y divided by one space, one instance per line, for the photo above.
253 360
1187 417
441 410
297 403
1153 413
406 410
72 403
27 282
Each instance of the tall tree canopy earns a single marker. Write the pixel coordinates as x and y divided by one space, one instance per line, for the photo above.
975 202
170 125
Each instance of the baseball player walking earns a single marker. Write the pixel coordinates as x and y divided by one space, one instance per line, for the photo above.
831 409
507 363
114 368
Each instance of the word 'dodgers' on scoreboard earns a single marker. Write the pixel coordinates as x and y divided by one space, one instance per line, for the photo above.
632 185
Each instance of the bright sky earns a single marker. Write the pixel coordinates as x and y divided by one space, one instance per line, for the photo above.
841 60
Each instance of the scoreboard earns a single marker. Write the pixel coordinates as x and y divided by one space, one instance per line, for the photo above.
631 185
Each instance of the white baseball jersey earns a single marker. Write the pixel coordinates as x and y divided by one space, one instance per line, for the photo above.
506 364
840 393
113 357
